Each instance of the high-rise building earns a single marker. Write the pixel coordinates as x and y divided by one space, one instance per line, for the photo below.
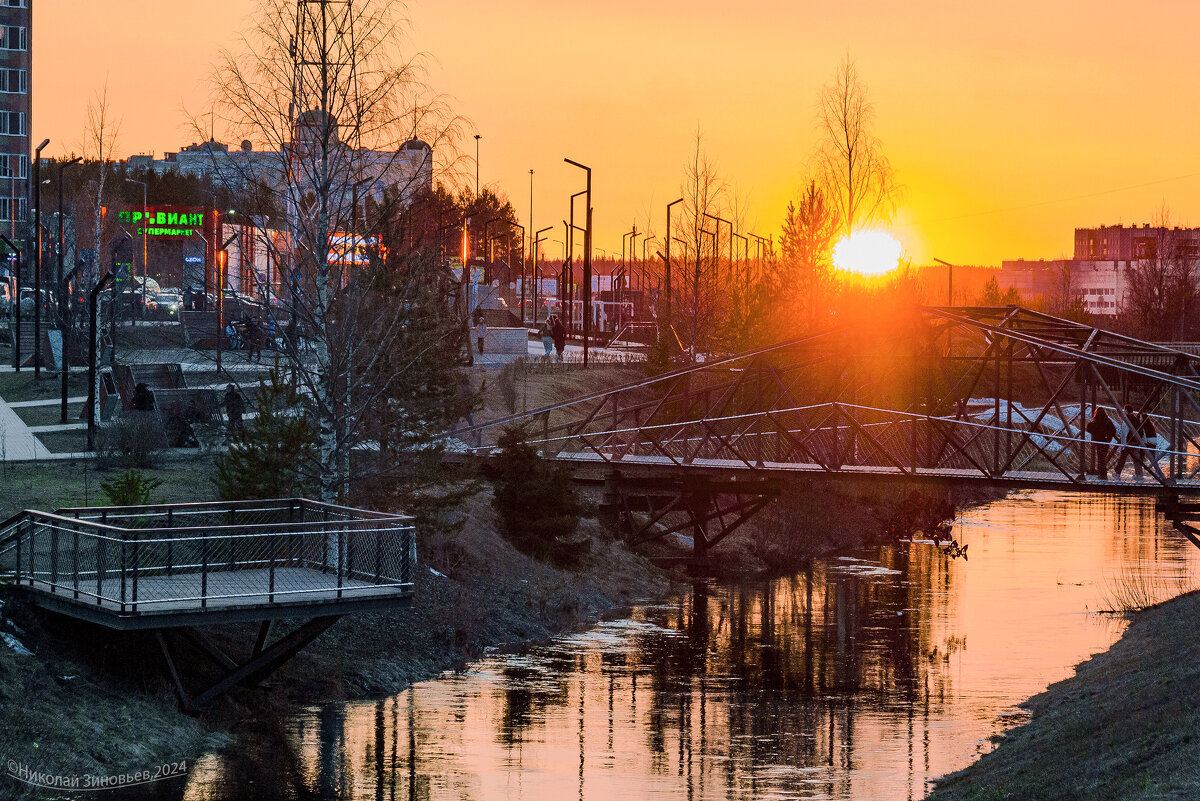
16 59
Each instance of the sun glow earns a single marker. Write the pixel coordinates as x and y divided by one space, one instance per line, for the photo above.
867 253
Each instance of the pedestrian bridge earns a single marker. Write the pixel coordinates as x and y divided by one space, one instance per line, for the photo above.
179 566
994 395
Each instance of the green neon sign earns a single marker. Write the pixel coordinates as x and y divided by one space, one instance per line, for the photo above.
163 223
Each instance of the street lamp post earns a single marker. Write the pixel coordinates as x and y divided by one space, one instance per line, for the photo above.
571 247
667 266
37 262
17 304
518 225
523 253
145 245
93 390
64 303
222 277
949 281
537 238
477 138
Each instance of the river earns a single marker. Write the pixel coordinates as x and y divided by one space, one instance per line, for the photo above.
866 676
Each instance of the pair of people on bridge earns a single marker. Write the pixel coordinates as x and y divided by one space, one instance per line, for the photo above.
1135 438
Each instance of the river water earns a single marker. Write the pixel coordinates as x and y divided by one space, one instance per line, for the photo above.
863 678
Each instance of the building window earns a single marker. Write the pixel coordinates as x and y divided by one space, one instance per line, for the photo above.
14 165
15 4
12 123
13 37
10 206
14 81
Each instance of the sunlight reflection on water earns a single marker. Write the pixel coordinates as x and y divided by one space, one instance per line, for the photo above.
863 677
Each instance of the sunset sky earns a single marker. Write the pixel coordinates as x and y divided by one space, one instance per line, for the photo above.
1008 124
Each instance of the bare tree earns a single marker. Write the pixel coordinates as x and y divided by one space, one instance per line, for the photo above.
349 129
704 193
100 136
1161 291
855 175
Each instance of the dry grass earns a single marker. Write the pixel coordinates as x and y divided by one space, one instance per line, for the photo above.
1133 590
1124 727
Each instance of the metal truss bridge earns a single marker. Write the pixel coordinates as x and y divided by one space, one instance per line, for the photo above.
995 395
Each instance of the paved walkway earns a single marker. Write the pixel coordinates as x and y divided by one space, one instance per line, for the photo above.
17 441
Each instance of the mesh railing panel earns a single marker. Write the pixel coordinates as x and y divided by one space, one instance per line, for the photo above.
272 552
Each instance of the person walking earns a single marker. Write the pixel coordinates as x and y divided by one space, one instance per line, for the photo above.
547 332
1131 443
254 337
1102 430
234 408
1149 435
558 333
480 330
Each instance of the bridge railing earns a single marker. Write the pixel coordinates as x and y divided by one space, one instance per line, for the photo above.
840 437
184 556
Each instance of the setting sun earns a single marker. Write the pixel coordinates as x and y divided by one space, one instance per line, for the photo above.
867 253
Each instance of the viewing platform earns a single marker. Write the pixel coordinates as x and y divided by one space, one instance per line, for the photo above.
176 567
162 566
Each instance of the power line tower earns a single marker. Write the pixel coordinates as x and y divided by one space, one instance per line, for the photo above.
325 55
325 117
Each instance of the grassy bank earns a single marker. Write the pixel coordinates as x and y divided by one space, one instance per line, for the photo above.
1123 727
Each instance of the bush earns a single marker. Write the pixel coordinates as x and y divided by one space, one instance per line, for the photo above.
538 508
131 488
134 439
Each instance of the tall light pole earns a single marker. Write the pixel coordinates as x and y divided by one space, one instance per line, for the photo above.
64 303
518 225
571 247
587 263
537 238
477 138
949 281
667 266
145 246
523 252
17 306
37 261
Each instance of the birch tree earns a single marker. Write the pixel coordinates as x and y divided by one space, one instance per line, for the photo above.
100 136
346 129
854 172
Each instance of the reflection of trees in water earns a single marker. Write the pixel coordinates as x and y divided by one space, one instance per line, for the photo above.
528 690
267 763
732 691
785 669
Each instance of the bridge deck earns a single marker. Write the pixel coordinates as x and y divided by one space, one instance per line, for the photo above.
1016 479
230 596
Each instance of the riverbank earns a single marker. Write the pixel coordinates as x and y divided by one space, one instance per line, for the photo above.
1123 727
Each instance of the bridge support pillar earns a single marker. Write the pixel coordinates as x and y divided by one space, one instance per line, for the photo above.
262 661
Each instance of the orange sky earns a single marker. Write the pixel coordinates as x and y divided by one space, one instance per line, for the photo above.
1008 124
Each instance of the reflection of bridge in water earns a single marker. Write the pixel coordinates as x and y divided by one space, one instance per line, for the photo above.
993 395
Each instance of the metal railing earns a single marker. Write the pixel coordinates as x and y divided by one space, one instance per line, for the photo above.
842 437
181 557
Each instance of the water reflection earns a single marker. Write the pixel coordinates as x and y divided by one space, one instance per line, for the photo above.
863 677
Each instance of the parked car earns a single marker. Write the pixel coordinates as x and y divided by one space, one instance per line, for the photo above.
28 302
168 305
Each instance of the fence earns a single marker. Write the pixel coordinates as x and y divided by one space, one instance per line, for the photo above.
135 559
